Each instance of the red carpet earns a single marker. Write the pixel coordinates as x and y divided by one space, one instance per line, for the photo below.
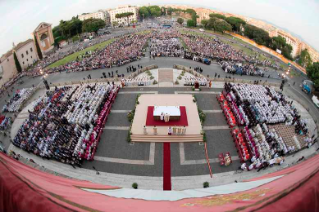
167 184
181 122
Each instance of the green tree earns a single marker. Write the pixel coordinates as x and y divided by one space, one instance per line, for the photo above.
211 23
215 15
92 25
17 63
313 74
155 11
180 21
193 15
286 51
151 11
236 23
305 59
144 12
204 22
125 15
191 23
260 36
38 48
68 29
222 26
169 11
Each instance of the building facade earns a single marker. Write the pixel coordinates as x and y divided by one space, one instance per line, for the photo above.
123 9
26 54
101 14
43 34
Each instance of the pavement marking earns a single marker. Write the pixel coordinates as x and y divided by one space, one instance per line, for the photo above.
116 128
216 127
183 161
120 111
150 161
137 92
212 111
199 92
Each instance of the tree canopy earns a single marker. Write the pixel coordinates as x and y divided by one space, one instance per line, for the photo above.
222 26
313 74
92 25
180 21
191 23
236 23
260 36
38 48
124 15
67 29
215 15
305 59
150 11
216 24
17 63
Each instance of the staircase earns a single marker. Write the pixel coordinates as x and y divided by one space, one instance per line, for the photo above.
167 138
165 77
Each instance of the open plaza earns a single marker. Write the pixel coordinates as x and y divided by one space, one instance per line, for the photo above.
159 117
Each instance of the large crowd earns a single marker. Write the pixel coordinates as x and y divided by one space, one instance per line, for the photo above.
67 123
165 43
123 50
18 99
213 48
267 117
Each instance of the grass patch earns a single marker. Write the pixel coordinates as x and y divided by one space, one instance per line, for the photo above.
73 56
143 32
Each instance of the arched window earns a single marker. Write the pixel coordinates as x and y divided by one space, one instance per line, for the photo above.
43 37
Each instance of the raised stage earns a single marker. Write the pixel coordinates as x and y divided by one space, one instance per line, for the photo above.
143 117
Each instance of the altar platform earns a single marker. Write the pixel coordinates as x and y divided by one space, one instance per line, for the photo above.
144 117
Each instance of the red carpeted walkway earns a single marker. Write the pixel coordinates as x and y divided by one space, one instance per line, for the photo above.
181 122
167 184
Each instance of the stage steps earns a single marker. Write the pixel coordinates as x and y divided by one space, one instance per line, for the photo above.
165 75
167 138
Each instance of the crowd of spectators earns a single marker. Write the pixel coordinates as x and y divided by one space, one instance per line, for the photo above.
213 48
18 99
165 43
67 123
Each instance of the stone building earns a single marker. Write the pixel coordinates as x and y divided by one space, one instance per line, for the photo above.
44 36
123 9
101 14
26 54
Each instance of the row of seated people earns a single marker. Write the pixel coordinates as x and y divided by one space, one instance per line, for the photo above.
64 124
18 99
261 104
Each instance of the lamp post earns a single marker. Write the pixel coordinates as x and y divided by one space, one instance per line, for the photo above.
45 82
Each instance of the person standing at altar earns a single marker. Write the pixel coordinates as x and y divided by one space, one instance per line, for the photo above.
162 116
145 130
155 130
184 130
170 131
174 130
179 131
167 117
